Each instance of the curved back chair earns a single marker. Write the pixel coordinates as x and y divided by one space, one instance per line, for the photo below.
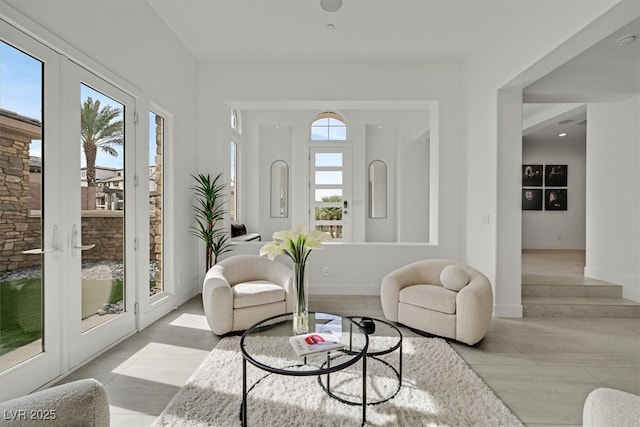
441 297
244 289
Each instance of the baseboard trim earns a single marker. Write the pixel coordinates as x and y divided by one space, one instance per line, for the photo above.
507 310
554 246
329 289
608 276
629 283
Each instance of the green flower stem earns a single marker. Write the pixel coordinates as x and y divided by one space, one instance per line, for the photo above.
300 312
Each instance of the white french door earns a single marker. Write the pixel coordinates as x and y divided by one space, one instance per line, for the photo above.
99 211
330 191
67 258
31 240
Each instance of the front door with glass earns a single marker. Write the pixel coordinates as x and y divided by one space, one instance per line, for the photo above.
330 191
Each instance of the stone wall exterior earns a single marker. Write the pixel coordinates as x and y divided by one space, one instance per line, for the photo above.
18 230
155 208
105 229
21 202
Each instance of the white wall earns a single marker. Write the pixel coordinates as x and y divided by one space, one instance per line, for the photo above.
413 189
495 77
382 146
557 229
327 84
274 144
613 194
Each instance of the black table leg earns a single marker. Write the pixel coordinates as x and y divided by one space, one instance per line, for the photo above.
400 364
244 392
328 377
364 390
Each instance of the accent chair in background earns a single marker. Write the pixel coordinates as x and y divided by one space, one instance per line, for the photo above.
441 297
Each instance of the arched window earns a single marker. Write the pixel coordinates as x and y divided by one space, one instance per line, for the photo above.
328 126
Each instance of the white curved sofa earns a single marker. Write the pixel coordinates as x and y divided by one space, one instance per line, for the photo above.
441 297
241 290
78 403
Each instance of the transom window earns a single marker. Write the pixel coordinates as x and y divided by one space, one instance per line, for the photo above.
328 126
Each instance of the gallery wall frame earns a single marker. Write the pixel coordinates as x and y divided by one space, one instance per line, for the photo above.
532 199
532 175
544 187
555 175
555 199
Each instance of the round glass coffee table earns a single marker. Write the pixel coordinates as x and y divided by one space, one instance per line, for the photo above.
384 339
266 346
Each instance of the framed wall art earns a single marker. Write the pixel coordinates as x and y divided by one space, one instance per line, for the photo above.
555 175
531 199
532 175
555 199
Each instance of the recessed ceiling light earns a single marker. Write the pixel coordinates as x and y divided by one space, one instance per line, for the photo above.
626 40
562 134
331 27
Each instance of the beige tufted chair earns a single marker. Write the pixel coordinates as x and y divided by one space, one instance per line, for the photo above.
441 297
241 290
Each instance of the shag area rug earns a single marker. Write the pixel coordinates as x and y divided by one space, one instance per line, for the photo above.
438 389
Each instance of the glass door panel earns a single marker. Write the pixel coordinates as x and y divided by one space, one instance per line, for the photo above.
329 183
21 198
100 212
100 240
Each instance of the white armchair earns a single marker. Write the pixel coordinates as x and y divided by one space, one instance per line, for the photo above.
244 289
441 297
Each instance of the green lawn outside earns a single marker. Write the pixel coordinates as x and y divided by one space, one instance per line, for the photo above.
21 311
20 317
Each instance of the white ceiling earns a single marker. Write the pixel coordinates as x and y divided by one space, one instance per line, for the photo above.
396 30
544 123
296 30
605 72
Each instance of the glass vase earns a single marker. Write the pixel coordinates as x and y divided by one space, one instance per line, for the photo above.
300 299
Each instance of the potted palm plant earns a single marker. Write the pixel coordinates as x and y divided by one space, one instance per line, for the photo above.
209 212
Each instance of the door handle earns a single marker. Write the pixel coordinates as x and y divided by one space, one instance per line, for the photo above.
84 247
76 241
40 251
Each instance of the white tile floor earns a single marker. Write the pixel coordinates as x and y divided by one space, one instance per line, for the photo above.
542 368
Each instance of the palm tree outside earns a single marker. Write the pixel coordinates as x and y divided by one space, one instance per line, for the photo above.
330 213
100 130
